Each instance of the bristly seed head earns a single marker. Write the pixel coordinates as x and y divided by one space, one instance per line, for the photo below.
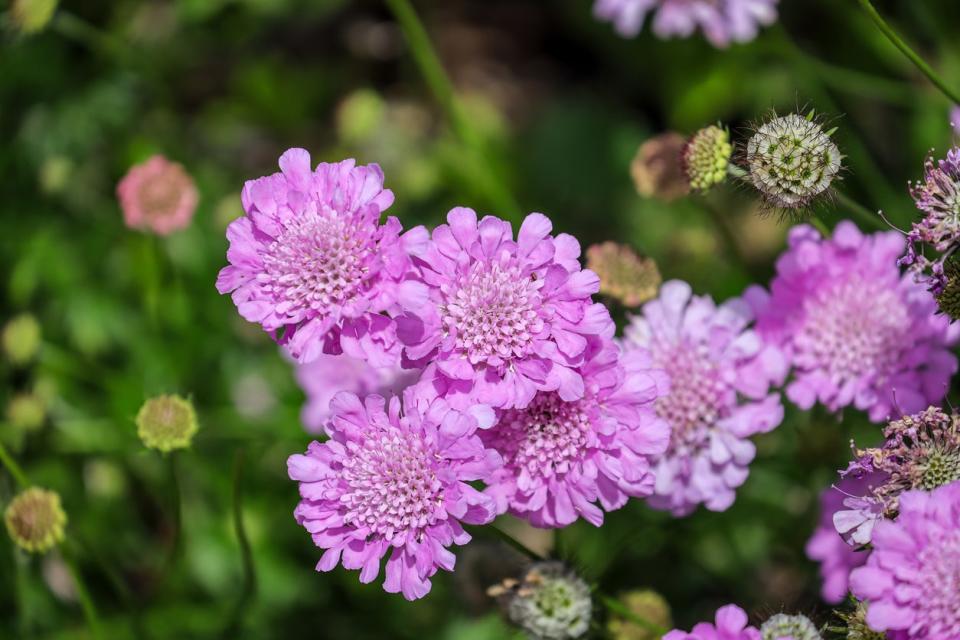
706 157
792 160
783 626
550 602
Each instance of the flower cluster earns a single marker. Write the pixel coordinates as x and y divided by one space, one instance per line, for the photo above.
722 21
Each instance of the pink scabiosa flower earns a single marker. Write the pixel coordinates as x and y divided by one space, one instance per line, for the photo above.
720 375
505 318
730 623
722 21
837 558
312 264
394 480
322 379
910 580
157 196
560 457
856 330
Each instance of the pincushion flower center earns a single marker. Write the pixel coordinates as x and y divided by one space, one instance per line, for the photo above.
493 312
546 439
697 395
160 195
318 260
392 486
940 583
854 328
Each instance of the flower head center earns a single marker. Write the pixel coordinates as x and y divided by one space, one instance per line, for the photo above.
942 466
940 584
546 440
697 398
160 194
319 260
392 483
493 313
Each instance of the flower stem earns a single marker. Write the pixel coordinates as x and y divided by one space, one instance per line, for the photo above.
620 609
176 510
820 226
905 49
13 468
83 594
506 538
860 211
436 78
249 569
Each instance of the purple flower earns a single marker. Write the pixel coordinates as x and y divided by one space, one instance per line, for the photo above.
722 21
955 118
938 197
910 581
396 482
505 319
328 375
856 330
730 623
560 458
826 546
720 374
312 264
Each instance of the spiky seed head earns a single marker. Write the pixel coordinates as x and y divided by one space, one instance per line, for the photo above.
647 605
167 422
793 627
792 160
21 339
657 169
36 520
624 274
706 157
550 602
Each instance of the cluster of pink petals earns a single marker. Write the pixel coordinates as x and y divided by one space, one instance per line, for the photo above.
326 376
722 21
836 556
158 196
312 264
394 480
856 331
720 376
910 581
560 458
503 318
730 623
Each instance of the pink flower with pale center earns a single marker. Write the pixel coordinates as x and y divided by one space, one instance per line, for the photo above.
158 196
730 623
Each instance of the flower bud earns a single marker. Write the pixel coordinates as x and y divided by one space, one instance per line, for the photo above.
657 169
706 156
855 625
166 423
35 520
624 275
26 411
21 339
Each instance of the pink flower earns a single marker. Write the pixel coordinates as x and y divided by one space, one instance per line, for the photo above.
312 264
730 623
910 581
720 375
395 482
955 119
722 21
158 196
560 458
856 330
506 318
328 375
836 557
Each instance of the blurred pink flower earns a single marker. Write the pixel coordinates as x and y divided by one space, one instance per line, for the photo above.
837 558
722 21
158 196
394 480
730 623
328 375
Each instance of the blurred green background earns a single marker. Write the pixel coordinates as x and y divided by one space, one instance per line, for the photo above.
561 103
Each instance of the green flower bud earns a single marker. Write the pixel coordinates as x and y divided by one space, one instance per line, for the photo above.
35 520
706 156
166 423
21 339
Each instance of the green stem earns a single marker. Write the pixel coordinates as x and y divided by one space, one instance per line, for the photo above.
620 609
175 510
722 224
905 49
820 226
506 538
83 594
249 569
13 468
439 83
869 217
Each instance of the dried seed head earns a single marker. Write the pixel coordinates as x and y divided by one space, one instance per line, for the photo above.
550 602
657 169
35 520
785 627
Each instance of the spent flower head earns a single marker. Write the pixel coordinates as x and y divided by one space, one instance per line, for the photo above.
625 275
21 339
789 627
35 520
706 157
791 160
167 422
657 169
158 196
550 602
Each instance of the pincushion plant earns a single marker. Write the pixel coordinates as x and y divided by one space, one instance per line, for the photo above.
467 376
